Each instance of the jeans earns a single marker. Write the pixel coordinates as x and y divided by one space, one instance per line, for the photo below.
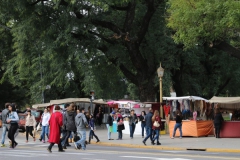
4 131
156 137
65 138
120 134
177 125
132 129
109 133
11 133
44 131
81 142
149 134
143 126
29 130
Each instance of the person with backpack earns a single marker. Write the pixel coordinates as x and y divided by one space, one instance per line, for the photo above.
3 118
81 124
92 128
12 119
69 122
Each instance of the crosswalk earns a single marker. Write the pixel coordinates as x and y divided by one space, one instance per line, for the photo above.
153 158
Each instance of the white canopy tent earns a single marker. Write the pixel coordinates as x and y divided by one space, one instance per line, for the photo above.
225 100
76 100
43 105
193 98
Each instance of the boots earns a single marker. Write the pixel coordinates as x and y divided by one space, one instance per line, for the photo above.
97 139
89 140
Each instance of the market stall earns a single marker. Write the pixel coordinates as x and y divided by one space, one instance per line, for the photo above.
230 129
192 108
126 107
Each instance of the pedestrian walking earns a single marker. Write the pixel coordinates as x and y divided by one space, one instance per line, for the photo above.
143 122
12 119
45 124
110 124
55 122
5 125
156 119
92 130
30 125
178 124
218 120
81 124
148 120
132 123
69 121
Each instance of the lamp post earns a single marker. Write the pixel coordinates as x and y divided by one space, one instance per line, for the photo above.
91 100
160 72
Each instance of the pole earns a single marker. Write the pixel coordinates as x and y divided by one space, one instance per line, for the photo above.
91 105
161 109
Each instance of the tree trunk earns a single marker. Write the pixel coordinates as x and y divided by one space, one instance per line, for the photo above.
147 92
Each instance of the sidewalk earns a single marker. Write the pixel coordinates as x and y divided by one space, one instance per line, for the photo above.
210 144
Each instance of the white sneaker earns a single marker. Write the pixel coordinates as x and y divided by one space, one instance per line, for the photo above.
180 137
172 137
75 145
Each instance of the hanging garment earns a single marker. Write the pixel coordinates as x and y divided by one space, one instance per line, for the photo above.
166 109
195 115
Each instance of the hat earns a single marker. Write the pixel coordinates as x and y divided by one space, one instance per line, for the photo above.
113 112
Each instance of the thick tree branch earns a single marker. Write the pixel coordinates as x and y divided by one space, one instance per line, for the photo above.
221 87
120 8
226 47
130 16
102 37
151 8
108 25
34 3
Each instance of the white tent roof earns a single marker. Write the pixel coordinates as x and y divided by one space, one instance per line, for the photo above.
80 100
194 98
40 105
225 100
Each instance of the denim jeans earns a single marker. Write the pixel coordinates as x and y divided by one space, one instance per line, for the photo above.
120 134
177 125
4 131
156 137
109 133
149 134
64 139
132 129
44 131
143 126
81 142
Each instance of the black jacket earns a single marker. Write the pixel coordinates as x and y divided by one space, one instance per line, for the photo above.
142 119
110 120
69 120
218 118
148 119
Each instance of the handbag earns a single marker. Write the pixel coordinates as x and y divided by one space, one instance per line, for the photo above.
0 123
156 124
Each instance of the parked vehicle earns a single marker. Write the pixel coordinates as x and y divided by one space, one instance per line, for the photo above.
22 121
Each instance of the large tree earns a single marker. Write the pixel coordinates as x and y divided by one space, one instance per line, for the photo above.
208 23
130 34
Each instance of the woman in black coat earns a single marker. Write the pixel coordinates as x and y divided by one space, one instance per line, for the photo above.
218 119
120 127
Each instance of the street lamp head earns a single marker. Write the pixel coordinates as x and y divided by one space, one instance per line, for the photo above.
160 71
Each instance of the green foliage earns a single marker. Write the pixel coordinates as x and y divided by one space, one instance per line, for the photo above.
203 21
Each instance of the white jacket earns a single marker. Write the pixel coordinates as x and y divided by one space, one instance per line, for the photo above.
45 119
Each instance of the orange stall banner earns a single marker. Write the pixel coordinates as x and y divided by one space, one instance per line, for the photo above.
193 128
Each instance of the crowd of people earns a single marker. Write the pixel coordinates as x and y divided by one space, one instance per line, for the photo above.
61 125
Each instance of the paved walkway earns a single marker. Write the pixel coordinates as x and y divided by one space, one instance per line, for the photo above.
202 143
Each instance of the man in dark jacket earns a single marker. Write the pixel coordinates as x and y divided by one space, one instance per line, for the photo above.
148 120
69 124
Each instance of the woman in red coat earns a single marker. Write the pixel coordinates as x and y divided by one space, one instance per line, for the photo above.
156 119
55 123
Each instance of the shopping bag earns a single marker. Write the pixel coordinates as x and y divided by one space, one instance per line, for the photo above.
114 127
39 127
111 128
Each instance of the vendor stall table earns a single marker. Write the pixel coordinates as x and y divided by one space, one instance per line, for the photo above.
193 128
230 129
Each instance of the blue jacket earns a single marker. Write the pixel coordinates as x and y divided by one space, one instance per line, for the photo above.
13 116
148 119
91 123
